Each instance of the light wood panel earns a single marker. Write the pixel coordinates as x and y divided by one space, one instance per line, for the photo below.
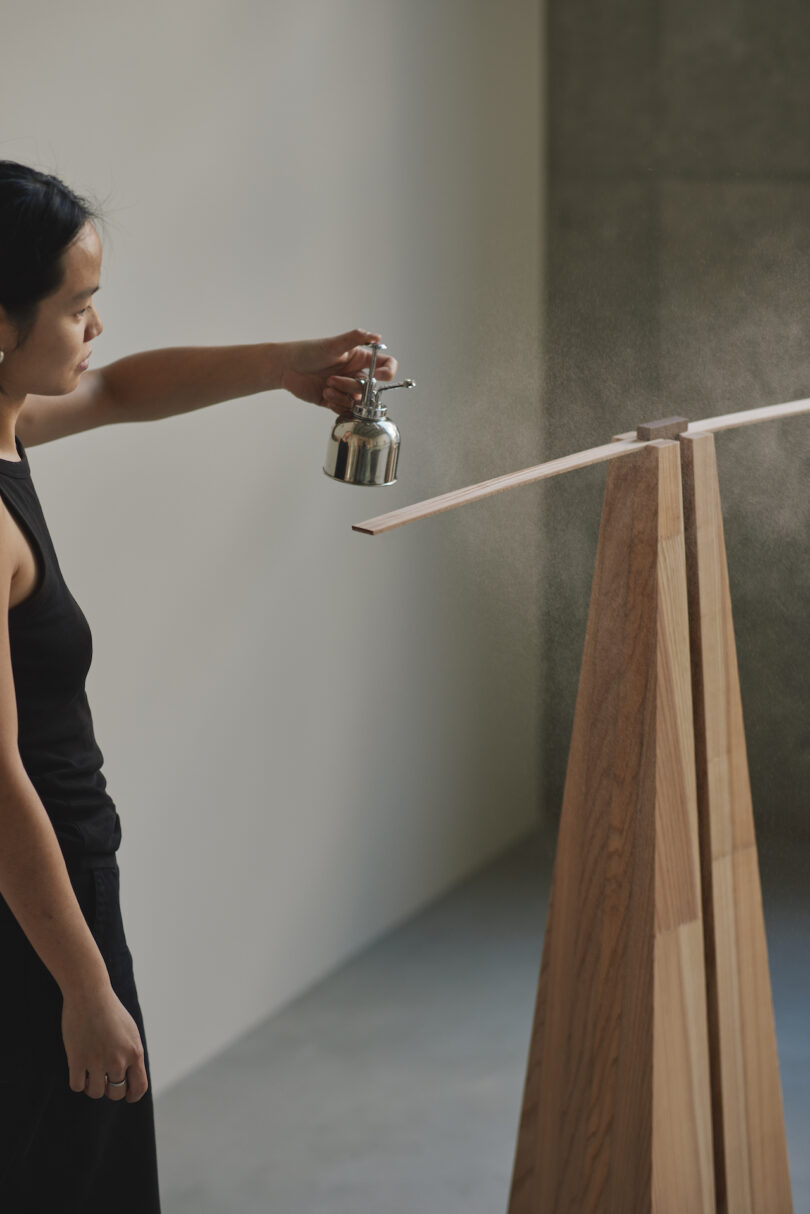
622 444
751 1153
616 1112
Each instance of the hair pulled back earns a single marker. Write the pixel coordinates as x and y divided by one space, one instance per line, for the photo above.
39 218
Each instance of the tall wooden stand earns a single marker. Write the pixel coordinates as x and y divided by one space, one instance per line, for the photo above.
653 1082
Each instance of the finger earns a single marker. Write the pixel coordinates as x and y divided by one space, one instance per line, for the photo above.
386 367
113 1092
346 385
339 402
96 1083
138 1082
385 370
344 343
77 1077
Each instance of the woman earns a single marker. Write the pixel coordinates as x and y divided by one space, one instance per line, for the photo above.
76 1116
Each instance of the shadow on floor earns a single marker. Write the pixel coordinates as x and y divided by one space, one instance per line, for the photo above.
395 1084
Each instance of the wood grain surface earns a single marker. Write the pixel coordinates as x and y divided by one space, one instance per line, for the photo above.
751 1154
616 1114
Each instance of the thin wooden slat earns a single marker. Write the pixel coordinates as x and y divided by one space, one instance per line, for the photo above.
748 417
750 1147
617 1111
513 480
622 444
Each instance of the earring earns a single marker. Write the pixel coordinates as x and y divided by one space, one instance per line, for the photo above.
2 355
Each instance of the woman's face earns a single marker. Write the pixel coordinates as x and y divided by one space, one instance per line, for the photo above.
52 360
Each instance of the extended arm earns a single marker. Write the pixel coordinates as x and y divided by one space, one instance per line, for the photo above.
162 383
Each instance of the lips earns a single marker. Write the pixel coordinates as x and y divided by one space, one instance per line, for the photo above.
83 365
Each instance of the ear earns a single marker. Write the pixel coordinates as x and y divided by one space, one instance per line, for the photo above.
9 332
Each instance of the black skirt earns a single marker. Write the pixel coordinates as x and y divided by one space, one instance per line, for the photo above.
62 1150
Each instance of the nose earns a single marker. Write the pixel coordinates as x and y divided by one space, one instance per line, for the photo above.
94 325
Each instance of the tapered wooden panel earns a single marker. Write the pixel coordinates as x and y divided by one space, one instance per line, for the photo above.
751 1153
616 1115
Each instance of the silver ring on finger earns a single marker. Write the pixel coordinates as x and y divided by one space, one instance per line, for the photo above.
122 1083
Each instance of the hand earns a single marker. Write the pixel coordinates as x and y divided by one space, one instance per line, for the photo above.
100 1037
322 372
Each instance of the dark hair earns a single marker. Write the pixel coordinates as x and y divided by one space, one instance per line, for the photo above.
39 218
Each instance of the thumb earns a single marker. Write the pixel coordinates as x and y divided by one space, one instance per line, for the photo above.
353 337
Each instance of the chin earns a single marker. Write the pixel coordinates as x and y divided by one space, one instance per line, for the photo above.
60 388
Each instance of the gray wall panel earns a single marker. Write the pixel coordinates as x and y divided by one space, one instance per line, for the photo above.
678 271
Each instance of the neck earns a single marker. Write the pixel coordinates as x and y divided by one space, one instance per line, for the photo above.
9 412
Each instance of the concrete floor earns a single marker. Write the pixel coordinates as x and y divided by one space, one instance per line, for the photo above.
395 1083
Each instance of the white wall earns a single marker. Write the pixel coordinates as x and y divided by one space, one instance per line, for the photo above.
309 734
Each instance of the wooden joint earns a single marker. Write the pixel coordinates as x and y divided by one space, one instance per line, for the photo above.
668 427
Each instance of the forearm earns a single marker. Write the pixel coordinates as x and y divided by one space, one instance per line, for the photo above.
161 383
34 882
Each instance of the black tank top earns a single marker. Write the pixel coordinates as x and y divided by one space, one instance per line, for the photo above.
51 651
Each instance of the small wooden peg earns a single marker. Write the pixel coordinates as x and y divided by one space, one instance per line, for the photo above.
668 427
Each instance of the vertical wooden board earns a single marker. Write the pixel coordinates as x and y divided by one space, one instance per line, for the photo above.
683 1173
768 1161
677 865
751 1163
593 998
625 895
591 1050
683 1169
728 1014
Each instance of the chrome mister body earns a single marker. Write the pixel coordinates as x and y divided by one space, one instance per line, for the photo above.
363 447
